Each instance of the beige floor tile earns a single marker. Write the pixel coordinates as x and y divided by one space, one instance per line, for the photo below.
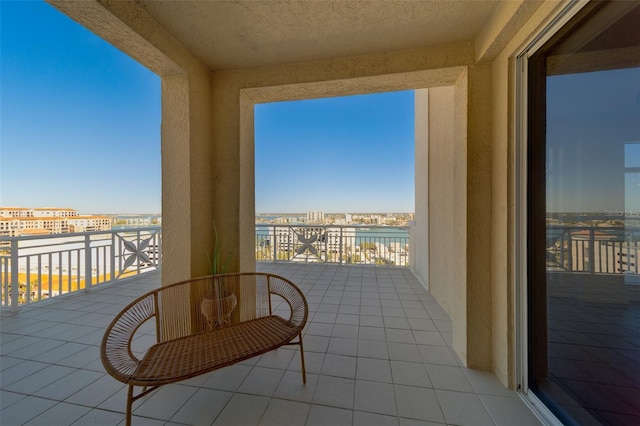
96 392
335 392
461 408
371 419
244 410
507 411
329 416
34 382
342 346
439 355
372 333
418 403
378 370
339 366
65 414
281 412
24 410
69 384
404 352
410 373
292 388
261 381
98 417
373 349
375 397
203 407
449 378
164 403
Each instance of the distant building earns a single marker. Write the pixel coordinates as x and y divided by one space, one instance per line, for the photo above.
315 216
16 221
137 220
89 223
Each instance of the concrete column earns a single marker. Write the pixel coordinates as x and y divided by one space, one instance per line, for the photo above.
175 177
419 261
479 218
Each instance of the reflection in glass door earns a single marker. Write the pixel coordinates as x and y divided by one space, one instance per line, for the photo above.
584 218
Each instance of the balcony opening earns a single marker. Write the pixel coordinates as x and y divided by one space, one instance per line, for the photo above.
334 179
80 155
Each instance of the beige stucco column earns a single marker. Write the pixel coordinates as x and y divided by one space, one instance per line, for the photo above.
187 176
458 190
479 218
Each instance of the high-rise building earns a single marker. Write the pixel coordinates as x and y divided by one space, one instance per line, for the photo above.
315 216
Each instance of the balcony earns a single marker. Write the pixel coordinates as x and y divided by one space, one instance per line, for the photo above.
377 347
35 268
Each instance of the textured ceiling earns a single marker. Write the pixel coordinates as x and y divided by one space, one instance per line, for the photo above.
240 34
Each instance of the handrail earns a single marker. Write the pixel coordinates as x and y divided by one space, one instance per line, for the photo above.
593 249
338 244
38 267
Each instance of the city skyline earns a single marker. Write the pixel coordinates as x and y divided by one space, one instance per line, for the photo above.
81 129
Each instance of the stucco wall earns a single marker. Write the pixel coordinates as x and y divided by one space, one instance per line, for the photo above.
442 256
419 260
478 216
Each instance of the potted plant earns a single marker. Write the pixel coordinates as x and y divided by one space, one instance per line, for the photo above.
219 303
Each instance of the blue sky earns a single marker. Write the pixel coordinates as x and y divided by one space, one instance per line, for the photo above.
80 120
80 128
350 154
593 134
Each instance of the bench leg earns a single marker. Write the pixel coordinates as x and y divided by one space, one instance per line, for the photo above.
304 372
129 403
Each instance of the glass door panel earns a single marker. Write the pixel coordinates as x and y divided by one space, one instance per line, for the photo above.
584 162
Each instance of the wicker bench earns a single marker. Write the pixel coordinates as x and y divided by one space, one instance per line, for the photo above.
200 325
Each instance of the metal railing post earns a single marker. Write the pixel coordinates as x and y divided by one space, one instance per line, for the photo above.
341 243
326 244
88 281
15 282
112 260
592 255
159 249
275 245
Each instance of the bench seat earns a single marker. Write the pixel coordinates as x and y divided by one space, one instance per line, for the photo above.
189 356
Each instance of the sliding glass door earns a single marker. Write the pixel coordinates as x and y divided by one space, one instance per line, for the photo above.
583 218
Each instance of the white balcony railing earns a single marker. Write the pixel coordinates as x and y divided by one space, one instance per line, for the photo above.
593 249
34 268
371 245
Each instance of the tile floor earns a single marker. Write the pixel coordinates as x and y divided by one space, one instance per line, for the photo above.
377 348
